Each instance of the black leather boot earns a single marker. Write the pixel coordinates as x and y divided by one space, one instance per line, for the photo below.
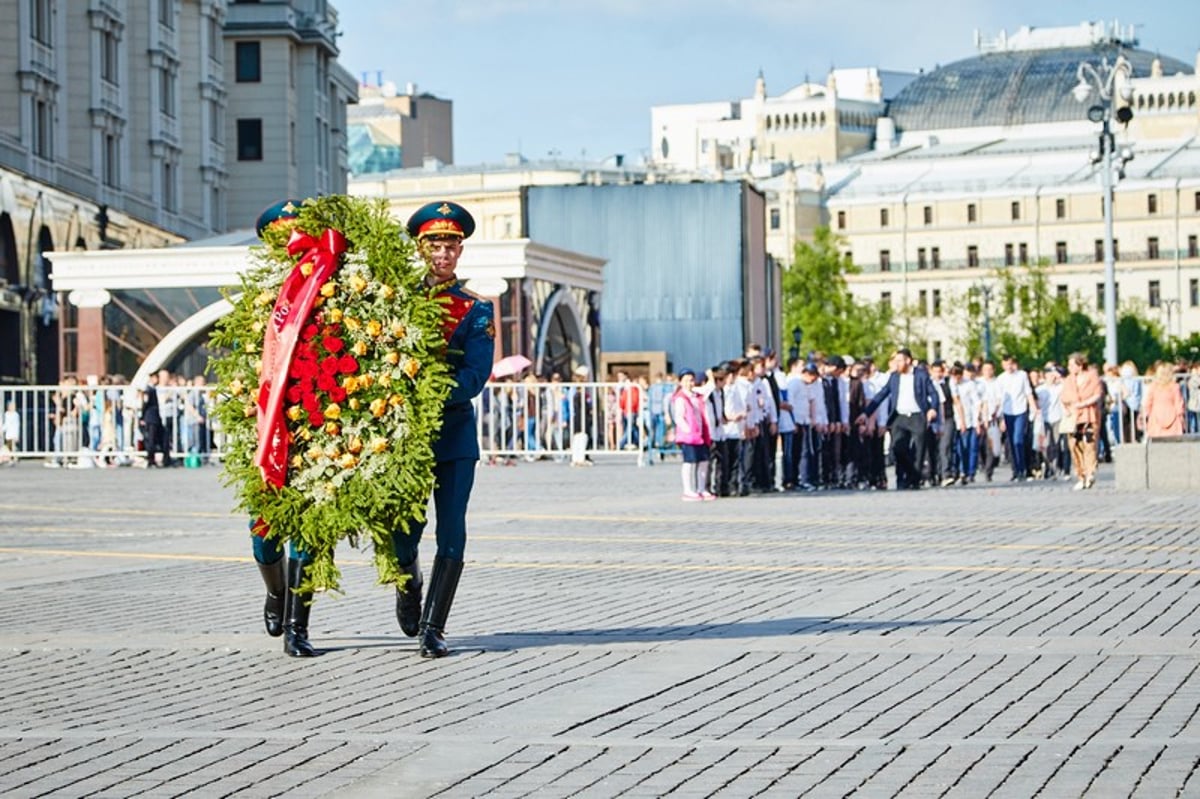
295 625
443 583
275 578
408 600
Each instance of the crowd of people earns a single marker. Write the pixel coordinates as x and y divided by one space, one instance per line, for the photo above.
104 423
822 422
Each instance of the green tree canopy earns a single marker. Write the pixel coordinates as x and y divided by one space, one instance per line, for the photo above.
817 299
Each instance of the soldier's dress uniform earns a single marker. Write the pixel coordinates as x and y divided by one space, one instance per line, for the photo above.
470 345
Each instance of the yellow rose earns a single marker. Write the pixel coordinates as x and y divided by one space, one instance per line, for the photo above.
257 327
352 324
374 328
379 445
314 454
250 348
378 407
396 400
297 462
265 298
332 428
357 284
359 348
411 367
295 412
333 411
335 314
385 380
392 357
397 329
305 434
365 381
348 461
387 292
355 404
329 289
355 446
236 387
249 410
350 383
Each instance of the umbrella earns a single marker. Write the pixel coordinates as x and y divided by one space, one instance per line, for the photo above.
511 365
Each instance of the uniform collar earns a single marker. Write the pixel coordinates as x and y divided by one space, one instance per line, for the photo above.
445 284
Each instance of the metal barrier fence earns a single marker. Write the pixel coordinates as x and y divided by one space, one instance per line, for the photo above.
84 426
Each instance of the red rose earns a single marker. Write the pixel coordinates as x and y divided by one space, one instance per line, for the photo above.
347 365
309 401
337 394
329 365
309 332
294 393
325 381
316 419
333 344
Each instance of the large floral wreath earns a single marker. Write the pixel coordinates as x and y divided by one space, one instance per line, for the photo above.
345 451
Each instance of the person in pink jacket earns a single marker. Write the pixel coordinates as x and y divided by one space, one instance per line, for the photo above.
1162 405
693 436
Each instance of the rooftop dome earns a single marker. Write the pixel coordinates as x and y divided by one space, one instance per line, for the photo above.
1022 87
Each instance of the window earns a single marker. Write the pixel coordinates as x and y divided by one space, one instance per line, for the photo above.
166 13
1154 296
922 303
1152 248
883 217
885 299
1060 252
1194 292
110 168
1008 255
774 219
972 215
40 28
1100 295
937 302
1193 248
885 260
109 50
972 255
1099 251
249 140
166 92
213 40
1197 199
1152 203
248 61
1060 292
937 349
841 220
922 263
1023 254
935 257
1060 209
1016 210
168 187
42 134
927 213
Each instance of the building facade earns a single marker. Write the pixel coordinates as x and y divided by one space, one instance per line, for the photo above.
389 130
123 127
993 166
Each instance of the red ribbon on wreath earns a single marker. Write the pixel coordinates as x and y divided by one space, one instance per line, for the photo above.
292 308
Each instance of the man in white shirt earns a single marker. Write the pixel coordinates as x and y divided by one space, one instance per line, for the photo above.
1016 401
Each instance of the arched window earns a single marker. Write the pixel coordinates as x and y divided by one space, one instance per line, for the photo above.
1191 99
1161 101
795 120
1170 101
822 119
1141 101
768 123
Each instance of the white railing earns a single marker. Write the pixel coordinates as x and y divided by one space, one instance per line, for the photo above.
84 426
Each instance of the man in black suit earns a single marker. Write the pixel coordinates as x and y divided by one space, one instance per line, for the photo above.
914 407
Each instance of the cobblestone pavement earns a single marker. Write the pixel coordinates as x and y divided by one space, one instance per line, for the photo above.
1007 640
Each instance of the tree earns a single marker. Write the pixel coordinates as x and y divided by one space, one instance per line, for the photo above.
817 299
1139 339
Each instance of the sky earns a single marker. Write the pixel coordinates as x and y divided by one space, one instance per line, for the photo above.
576 79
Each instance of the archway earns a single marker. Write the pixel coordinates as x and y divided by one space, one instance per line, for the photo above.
46 345
561 339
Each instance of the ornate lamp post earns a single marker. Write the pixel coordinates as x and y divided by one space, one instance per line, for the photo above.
1110 83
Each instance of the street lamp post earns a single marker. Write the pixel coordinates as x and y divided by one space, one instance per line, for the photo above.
1109 82
985 291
